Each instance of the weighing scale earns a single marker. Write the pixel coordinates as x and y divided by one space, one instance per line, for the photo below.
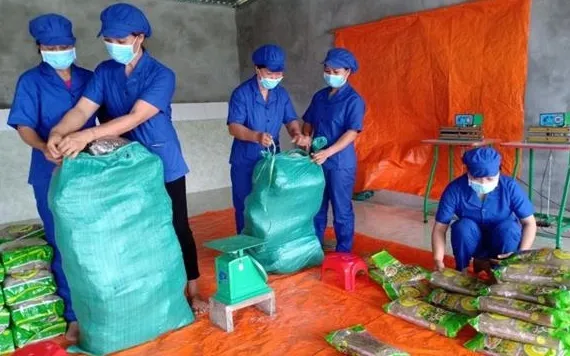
242 281
468 127
239 276
552 128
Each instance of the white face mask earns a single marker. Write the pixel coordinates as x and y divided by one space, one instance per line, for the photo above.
484 188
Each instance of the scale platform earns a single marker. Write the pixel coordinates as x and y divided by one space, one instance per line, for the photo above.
234 244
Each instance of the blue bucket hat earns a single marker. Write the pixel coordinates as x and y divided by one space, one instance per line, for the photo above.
52 30
121 20
341 58
482 162
270 56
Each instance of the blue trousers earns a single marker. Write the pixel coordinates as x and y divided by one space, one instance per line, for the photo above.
338 191
468 240
41 194
241 176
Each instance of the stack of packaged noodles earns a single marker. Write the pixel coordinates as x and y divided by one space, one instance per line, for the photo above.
527 311
408 288
397 279
32 312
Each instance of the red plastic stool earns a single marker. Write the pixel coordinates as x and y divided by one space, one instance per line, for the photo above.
346 263
46 348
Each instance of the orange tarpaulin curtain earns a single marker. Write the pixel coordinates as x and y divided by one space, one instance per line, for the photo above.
417 71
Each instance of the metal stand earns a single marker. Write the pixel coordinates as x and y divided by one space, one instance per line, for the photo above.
561 221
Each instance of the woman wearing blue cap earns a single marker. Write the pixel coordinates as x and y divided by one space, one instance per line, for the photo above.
257 110
136 91
43 95
336 112
495 216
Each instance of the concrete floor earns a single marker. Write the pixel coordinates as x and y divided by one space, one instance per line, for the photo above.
387 216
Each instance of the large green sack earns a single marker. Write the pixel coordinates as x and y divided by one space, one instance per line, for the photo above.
287 194
123 262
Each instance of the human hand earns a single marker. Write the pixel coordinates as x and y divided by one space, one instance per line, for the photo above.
51 146
51 158
72 144
302 141
321 157
264 139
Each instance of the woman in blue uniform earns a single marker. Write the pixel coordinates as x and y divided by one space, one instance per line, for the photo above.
495 216
336 112
43 95
136 91
257 110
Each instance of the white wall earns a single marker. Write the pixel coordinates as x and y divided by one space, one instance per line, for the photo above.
202 131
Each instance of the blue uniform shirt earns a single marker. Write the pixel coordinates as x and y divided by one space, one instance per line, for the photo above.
333 117
154 83
499 205
248 108
40 102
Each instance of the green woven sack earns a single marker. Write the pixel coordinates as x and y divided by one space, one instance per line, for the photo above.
121 257
287 194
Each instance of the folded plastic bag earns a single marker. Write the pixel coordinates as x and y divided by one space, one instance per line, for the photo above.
44 308
106 145
6 342
495 346
544 256
25 255
558 298
22 287
534 313
521 331
33 332
22 231
541 275
455 281
356 341
460 303
426 315
393 275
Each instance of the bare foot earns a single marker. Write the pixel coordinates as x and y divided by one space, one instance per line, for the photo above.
72 334
198 305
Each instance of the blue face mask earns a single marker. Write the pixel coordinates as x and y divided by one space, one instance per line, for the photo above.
335 81
269 83
59 60
123 54
483 188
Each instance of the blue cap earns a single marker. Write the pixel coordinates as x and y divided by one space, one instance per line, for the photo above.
270 56
482 162
52 30
341 58
121 20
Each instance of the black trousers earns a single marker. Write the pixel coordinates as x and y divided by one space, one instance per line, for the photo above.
177 191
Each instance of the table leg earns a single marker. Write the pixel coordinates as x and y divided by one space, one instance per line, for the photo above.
430 181
561 213
451 163
530 172
517 160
